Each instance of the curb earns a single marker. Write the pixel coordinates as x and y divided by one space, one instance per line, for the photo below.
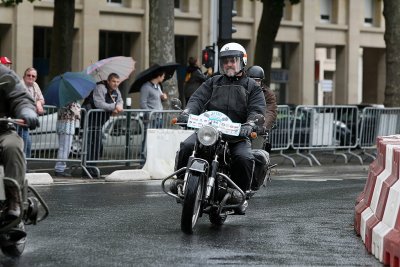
128 175
42 178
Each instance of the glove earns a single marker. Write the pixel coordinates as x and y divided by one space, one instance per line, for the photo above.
183 117
246 130
30 117
261 130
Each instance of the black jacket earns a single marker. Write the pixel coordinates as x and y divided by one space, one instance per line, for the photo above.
240 98
195 80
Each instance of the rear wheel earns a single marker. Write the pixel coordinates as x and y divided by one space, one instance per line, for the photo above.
16 249
192 203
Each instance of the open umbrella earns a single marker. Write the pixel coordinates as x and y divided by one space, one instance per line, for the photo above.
151 72
123 66
68 87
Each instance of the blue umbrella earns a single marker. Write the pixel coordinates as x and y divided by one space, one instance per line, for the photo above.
68 87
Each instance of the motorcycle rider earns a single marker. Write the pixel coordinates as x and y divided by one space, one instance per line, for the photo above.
15 102
241 99
257 73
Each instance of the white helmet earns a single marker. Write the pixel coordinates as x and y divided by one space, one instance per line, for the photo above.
235 55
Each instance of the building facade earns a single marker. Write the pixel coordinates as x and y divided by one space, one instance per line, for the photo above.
327 51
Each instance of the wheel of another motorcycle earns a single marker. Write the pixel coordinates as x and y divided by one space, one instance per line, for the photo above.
16 249
216 218
192 203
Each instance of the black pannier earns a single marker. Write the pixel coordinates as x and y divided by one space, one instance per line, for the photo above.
260 168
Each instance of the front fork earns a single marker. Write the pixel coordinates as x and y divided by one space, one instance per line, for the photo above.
211 178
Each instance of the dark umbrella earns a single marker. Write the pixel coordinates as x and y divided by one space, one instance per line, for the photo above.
150 73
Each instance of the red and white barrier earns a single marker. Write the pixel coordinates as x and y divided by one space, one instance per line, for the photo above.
376 168
377 216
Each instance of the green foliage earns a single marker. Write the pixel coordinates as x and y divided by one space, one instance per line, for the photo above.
14 2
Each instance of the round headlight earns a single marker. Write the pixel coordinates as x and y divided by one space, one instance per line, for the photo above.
207 135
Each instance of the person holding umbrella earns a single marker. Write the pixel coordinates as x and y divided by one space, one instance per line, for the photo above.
151 95
64 91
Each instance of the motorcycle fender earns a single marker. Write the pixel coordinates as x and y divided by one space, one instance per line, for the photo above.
198 166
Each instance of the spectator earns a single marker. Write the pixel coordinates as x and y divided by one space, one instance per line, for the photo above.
257 73
105 96
15 103
30 76
6 62
151 97
67 119
193 78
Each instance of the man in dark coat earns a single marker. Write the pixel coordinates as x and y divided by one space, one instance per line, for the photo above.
15 102
238 97
193 79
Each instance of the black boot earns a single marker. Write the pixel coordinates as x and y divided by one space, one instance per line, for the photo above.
175 184
14 203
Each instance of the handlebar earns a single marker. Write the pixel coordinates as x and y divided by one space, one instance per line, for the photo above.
20 122
174 121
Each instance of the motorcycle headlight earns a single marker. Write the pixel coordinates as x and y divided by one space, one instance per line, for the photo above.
207 135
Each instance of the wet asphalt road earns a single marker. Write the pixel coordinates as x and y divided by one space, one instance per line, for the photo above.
299 222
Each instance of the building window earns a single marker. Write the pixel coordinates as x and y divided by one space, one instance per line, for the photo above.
287 10
114 2
115 44
325 10
41 53
182 5
369 11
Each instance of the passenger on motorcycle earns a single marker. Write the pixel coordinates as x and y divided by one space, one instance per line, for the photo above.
257 73
241 99
15 102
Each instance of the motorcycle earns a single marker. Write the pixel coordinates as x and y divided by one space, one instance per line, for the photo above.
207 186
32 206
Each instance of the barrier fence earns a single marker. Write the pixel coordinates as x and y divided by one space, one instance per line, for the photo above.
121 139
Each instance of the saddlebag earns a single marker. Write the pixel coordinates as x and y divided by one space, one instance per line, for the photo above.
260 169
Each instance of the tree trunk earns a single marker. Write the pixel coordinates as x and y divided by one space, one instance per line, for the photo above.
391 13
267 31
162 40
62 37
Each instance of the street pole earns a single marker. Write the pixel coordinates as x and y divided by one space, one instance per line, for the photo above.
214 30
128 104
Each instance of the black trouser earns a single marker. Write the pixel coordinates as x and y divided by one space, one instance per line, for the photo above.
241 155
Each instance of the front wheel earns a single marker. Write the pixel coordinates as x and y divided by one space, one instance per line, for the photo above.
192 203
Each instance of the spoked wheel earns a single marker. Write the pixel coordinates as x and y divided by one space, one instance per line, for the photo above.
15 249
192 203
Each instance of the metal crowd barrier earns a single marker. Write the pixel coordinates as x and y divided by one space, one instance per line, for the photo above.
120 140
112 139
324 128
377 122
280 134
